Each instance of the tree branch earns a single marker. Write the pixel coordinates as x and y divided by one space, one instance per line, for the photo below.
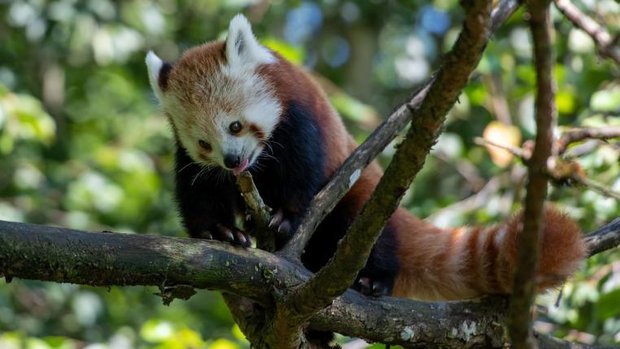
603 238
258 211
604 42
529 239
325 201
579 134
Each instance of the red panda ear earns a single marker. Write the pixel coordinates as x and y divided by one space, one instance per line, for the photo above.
242 48
158 73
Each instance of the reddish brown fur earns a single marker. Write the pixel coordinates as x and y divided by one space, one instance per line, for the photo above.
479 262
199 61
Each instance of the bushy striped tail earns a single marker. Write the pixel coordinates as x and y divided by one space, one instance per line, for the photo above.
469 262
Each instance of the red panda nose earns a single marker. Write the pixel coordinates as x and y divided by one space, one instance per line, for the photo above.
232 161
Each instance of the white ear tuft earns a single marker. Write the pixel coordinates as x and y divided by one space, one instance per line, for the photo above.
154 65
242 48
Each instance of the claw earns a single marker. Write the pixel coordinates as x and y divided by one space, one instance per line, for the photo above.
364 283
229 236
285 227
280 223
276 219
372 288
241 238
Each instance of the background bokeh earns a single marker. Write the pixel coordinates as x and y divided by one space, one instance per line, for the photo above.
82 144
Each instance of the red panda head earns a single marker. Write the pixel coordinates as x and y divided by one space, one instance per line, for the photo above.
221 109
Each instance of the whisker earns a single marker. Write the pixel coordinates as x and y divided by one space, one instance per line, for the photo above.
202 169
272 142
268 156
186 166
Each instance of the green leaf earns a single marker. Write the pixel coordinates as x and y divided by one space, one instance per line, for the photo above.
606 100
292 53
608 305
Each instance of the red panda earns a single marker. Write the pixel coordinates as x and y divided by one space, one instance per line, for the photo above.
236 106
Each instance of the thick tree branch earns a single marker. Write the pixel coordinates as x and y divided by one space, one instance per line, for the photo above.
107 259
603 40
344 178
103 259
529 240
604 238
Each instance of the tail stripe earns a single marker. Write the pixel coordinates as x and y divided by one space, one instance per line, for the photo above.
459 255
481 267
474 261
441 258
491 252
502 272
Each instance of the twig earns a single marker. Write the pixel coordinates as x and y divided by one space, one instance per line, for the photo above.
603 40
325 201
559 170
518 152
529 239
354 249
258 211
596 186
580 134
466 169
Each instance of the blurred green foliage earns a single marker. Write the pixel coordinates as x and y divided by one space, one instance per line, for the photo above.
82 144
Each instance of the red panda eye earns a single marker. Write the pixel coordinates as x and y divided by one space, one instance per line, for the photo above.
204 145
235 127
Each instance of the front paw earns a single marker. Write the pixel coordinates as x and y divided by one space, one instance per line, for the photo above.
281 224
372 287
231 235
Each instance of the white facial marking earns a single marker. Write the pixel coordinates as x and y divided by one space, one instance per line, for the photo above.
262 108
202 108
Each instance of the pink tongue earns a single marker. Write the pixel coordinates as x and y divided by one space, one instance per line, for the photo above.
242 167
